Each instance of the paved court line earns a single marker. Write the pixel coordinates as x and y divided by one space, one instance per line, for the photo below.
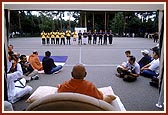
72 48
94 65
80 55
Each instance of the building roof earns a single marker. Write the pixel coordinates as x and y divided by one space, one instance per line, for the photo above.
86 6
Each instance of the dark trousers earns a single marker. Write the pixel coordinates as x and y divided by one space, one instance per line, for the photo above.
57 40
68 40
125 75
105 41
110 40
100 40
80 40
94 40
52 40
89 41
43 40
48 40
149 73
155 40
63 41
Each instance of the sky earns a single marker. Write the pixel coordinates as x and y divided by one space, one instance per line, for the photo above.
66 17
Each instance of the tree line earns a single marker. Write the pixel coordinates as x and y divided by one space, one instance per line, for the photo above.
27 24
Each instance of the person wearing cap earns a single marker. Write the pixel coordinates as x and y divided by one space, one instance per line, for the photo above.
146 59
151 70
131 70
35 61
77 84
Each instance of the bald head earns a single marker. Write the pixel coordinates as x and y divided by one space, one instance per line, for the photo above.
78 71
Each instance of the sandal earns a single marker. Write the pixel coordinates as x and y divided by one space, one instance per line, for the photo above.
36 77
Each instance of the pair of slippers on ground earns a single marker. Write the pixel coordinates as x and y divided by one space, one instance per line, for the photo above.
36 77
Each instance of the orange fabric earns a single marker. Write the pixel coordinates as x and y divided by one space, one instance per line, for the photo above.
82 87
35 62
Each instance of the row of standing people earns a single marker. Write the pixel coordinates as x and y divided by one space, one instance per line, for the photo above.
59 37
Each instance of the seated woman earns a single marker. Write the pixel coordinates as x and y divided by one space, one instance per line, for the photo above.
14 72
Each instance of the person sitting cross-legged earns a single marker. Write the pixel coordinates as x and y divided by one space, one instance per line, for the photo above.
35 61
28 71
151 70
131 71
146 59
77 84
49 66
14 74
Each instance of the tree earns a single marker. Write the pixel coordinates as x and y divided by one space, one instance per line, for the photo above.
117 23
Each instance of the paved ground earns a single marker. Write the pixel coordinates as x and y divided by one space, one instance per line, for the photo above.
100 62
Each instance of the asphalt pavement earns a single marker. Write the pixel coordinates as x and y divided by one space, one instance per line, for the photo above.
100 62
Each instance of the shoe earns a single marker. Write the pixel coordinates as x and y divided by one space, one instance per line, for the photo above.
155 79
57 71
36 77
154 84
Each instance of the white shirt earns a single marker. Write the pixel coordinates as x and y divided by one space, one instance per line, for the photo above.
154 65
135 67
11 77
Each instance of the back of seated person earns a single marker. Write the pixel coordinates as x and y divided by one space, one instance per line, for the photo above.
35 61
77 84
49 65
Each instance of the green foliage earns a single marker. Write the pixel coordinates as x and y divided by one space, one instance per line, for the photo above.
119 22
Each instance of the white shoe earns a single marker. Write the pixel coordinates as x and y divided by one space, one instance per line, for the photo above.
57 71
